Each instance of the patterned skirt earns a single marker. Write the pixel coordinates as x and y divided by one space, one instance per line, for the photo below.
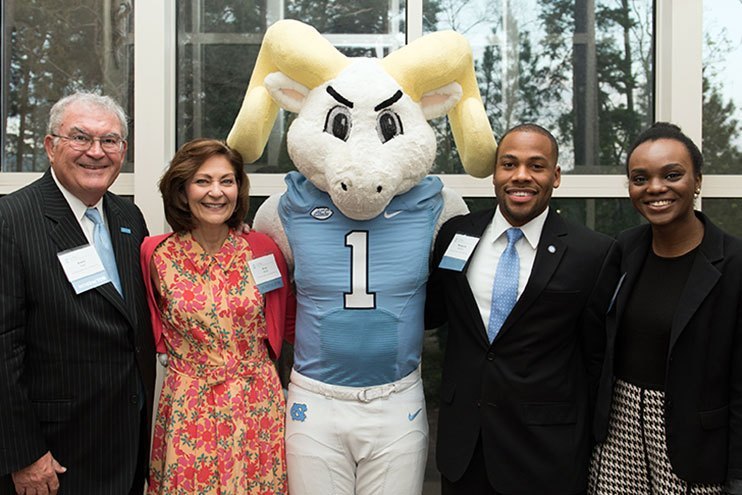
633 459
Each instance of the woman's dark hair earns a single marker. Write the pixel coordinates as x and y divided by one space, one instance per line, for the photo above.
666 130
184 165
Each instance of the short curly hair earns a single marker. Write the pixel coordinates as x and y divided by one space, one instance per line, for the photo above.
667 130
531 127
184 165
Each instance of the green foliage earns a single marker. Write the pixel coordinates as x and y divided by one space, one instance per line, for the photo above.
527 71
341 16
539 73
725 213
227 16
720 130
431 10
56 48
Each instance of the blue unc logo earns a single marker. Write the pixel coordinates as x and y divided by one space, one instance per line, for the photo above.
298 412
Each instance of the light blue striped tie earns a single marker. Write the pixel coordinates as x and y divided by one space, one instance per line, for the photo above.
505 286
102 242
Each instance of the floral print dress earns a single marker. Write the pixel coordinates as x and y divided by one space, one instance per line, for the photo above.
220 418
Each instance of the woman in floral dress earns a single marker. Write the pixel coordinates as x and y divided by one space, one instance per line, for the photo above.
220 418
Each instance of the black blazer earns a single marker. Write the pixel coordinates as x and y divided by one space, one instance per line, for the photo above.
703 387
70 364
528 393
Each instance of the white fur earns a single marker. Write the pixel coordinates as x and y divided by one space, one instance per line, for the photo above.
362 174
352 171
289 94
438 102
268 222
453 206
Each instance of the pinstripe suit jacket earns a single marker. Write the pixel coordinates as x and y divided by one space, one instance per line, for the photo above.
70 364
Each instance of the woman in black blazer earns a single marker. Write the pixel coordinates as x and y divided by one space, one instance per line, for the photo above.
668 416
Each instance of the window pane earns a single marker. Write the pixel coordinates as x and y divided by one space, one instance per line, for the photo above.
607 215
220 16
722 87
356 17
726 213
211 32
255 203
52 48
582 69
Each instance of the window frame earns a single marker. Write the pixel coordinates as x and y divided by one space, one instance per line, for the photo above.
678 98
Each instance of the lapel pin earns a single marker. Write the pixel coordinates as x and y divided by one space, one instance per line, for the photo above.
126 230
551 248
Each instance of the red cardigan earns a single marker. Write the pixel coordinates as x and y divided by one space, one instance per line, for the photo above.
280 304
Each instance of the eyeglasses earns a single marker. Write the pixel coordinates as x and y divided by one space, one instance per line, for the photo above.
83 142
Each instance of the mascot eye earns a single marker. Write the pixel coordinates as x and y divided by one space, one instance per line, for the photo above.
338 123
388 125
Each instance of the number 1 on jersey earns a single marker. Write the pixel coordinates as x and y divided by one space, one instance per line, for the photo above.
359 296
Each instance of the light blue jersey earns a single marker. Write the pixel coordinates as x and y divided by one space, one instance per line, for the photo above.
360 285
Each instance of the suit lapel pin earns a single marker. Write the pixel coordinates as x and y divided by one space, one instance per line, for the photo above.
551 248
126 230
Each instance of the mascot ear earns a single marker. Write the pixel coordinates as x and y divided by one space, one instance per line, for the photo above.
438 102
289 94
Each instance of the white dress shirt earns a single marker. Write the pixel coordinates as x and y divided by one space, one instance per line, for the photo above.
79 208
483 264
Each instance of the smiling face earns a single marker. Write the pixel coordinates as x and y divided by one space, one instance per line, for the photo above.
662 183
525 175
212 193
86 174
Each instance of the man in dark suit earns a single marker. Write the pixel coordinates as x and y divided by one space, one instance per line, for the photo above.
518 377
76 354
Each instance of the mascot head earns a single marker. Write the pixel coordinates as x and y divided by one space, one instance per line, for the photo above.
361 133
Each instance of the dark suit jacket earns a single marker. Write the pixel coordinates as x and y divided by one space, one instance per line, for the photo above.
528 393
703 388
70 364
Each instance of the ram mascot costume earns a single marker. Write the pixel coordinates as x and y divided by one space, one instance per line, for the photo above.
358 222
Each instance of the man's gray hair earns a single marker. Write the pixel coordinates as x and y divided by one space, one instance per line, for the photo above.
105 103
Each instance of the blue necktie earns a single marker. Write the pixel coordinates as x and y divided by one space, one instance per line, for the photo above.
505 286
102 242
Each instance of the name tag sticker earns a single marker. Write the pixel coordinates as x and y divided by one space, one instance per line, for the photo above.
265 273
83 268
458 252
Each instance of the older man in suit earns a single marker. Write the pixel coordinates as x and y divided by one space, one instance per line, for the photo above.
76 349
517 286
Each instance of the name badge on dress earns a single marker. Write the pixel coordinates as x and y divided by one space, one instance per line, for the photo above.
265 273
458 252
83 268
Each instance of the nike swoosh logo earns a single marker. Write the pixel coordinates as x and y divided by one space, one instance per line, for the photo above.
412 416
392 214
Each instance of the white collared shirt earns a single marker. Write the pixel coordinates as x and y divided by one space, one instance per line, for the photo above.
483 264
78 209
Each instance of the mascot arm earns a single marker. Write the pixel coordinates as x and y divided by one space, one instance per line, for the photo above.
453 206
268 222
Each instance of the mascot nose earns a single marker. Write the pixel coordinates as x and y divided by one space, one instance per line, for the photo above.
361 199
345 185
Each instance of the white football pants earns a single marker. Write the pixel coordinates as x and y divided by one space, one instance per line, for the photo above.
356 440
